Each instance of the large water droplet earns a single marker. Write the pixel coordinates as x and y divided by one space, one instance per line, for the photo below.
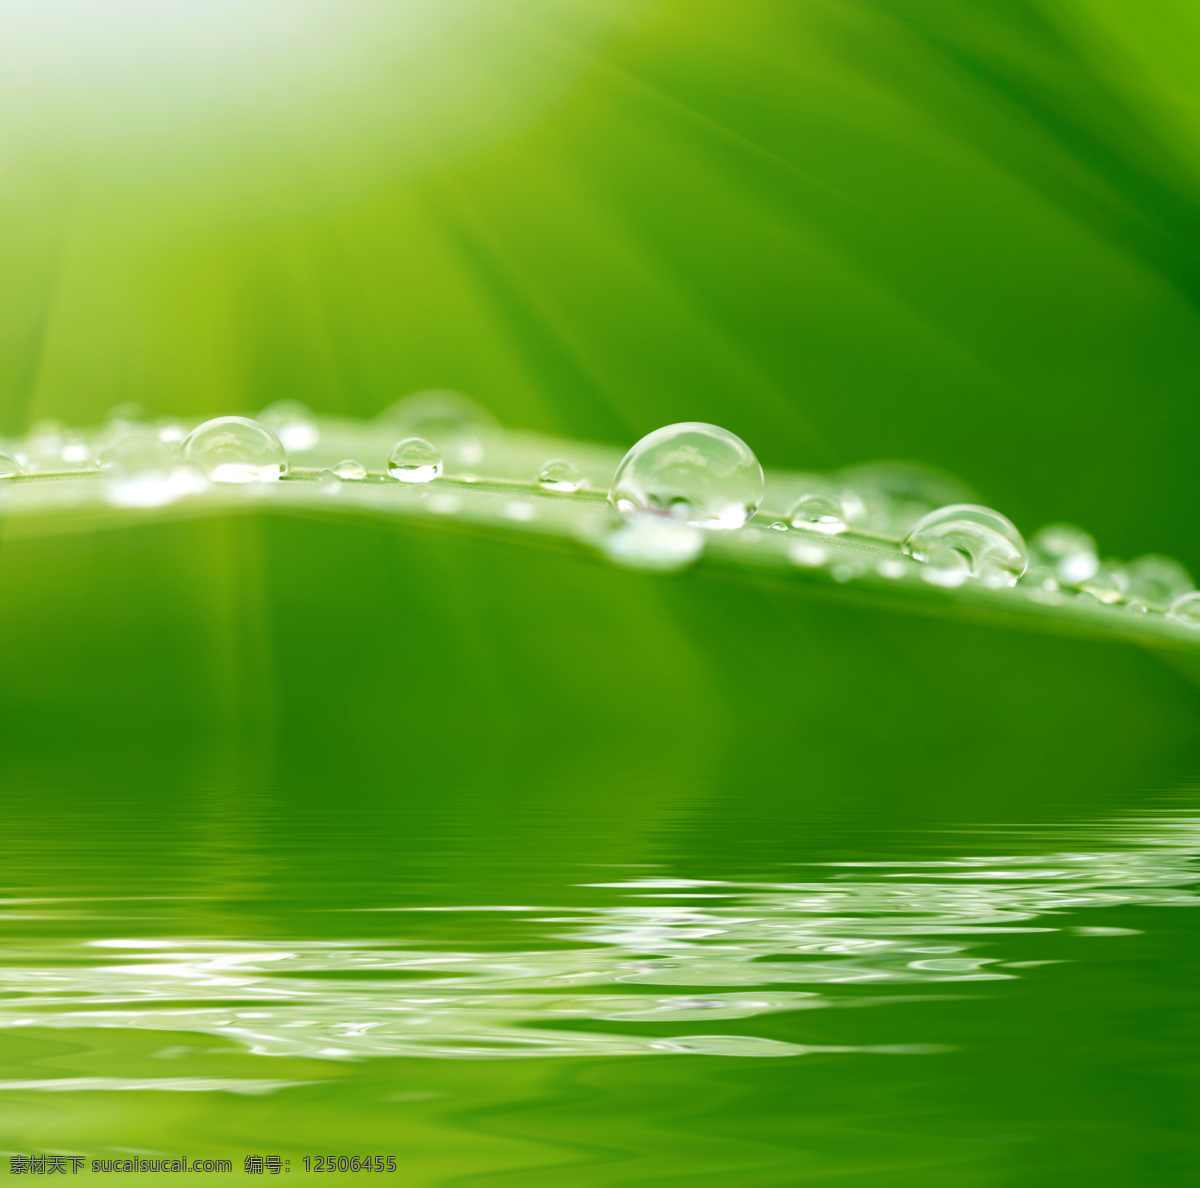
1186 609
1156 581
692 471
350 469
988 542
656 543
293 423
136 471
1068 552
560 475
235 450
9 466
454 423
414 460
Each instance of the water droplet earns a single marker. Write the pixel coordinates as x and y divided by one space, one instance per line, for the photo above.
76 451
172 432
891 568
1068 552
656 543
560 475
808 556
778 526
235 450
136 471
454 423
1157 581
828 512
988 542
520 510
350 469
1186 609
9 466
414 460
293 423
1137 608
692 471
328 482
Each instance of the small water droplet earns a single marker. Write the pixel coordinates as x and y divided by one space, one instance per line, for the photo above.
235 450
818 513
988 542
808 556
9 466
656 543
1068 552
520 510
293 423
350 469
1157 581
778 526
172 432
136 471
1137 608
691 471
454 423
414 460
328 482
560 475
1186 609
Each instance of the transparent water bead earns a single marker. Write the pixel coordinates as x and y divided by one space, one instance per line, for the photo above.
658 544
328 482
559 475
987 542
9 466
414 460
293 423
1186 609
1068 552
691 471
350 469
454 423
828 512
944 566
1156 581
136 471
235 450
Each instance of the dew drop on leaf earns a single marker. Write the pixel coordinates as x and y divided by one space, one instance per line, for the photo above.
235 450
414 460
989 544
559 475
350 469
691 471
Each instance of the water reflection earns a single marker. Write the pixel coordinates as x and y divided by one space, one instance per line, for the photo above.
675 953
